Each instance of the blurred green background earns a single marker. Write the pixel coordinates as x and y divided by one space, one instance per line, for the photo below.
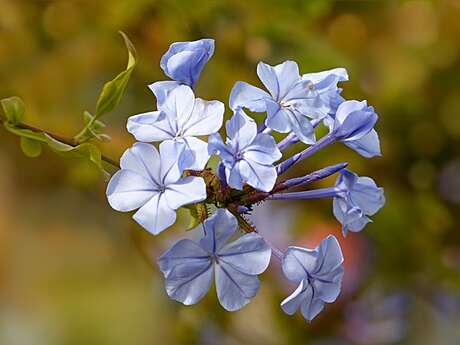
74 272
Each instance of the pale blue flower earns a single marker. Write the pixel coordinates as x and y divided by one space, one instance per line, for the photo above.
368 145
184 61
182 118
319 274
188 266
291 99
152 182
359 197
324 92
248 157
353 121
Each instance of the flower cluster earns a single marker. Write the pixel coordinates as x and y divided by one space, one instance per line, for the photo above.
158 182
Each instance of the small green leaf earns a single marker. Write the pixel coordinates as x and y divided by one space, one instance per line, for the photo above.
85 151
113 90
26 133
14 109
87 117
31 148
131 50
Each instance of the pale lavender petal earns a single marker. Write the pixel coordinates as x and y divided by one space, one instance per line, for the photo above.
217 146
241 129
311 307
263 150
161 89
188 283
234 177
278 118
171 161
249 254
156 215
182 253
298 262
188 190
293 302
178 107
248 96
234 288
151 126
218 229
206 118
127 190
367 195
368 146
143 159
259 176
195 155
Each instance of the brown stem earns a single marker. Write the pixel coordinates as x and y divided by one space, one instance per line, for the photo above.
62 139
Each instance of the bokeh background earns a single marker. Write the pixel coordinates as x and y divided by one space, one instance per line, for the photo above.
73 271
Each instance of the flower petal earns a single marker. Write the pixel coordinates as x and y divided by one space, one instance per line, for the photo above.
278 118
206 118
278 79
156 215
329 256
354 120
171 161
127 190
259 176
367 195
248 96
234 177
188 283
234 288
301 126
187 190
298 263
218 229
161 89
368 146
263 150
182 253
216 146
195 155
143 159
311 307
241 129
249 254
292 303
178 107
151 126
328 291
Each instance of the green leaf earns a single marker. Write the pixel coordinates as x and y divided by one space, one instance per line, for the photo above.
87 117
14 109
26 133
113 91
85 151
31 148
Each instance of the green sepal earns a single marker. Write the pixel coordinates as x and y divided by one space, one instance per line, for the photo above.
32 148
14 109
198 214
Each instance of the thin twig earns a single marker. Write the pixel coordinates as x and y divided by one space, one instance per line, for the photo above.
69 141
